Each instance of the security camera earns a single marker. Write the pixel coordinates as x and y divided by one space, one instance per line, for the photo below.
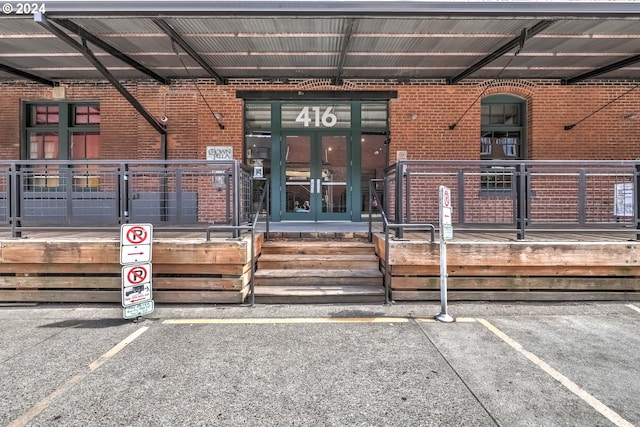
164 119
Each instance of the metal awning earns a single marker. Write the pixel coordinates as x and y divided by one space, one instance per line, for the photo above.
227 41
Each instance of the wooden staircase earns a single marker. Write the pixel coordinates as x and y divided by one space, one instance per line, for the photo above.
291 272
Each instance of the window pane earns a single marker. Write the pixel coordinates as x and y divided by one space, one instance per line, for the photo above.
94 115
497 114
511 114
87 114
92 148
484 117
45 115
43 146
374 115
78 150
257 116
85 145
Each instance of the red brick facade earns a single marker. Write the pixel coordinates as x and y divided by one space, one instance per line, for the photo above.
419 117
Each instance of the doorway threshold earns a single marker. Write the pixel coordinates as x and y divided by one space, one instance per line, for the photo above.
315 227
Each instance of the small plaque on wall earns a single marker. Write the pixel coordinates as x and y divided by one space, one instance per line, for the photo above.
215 152
401 155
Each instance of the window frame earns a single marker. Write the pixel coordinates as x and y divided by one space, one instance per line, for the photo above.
64 129
500 181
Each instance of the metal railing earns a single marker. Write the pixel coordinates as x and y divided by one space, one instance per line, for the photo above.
375 204
518 196
101 195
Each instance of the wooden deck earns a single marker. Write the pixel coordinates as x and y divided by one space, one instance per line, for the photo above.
60 266
576 265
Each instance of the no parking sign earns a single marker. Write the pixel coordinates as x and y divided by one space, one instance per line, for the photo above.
135 255
135 243
136 284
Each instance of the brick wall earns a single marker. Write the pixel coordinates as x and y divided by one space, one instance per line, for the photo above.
420 117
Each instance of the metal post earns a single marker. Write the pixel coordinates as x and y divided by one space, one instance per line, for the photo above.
68 177
446 232
582 196
16 200
521 200
236 198
461 192
399 199
123 187
636 204
443 316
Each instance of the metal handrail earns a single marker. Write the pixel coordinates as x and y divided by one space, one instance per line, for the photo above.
235 229
386 226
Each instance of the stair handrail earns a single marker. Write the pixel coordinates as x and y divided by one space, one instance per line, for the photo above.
235 229
386 226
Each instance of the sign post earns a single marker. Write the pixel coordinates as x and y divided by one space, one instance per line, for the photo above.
135 256
446 233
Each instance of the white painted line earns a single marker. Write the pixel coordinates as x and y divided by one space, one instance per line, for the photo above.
456 320
44 403
115 350
573 387
633 307
291 320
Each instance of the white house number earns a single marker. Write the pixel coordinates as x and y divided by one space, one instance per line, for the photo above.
311 115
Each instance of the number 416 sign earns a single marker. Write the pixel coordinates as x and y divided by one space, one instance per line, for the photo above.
310 116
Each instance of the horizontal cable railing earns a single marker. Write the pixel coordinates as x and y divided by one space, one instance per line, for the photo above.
100 195
517 197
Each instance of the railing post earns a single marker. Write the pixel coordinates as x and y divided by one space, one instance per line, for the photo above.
123 189
179 198
15 199
68 176
582 196
461 192
521 200
236 197
399 198
407 178
636 203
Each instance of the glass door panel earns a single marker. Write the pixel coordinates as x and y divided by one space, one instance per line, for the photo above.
297 170
334 174
316 177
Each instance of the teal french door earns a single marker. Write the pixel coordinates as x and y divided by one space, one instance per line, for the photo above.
316 176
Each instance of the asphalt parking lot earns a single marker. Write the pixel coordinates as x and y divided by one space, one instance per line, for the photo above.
356 365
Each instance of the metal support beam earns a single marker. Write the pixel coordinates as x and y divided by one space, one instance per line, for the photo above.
168 30
82 48
26 75
75 28
348 33
527 33
611 67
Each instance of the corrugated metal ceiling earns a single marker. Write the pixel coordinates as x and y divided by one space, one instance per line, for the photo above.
284 46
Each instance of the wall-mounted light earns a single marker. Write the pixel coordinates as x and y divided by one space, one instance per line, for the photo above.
630 116
414 116
219 179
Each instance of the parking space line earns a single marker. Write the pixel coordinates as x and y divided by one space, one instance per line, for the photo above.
633 307
457 320
290 320
44 403
573 387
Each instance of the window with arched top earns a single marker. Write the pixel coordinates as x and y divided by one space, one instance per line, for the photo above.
502 136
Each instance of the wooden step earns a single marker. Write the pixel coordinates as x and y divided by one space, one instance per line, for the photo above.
298 261
292 294
317 248
317 277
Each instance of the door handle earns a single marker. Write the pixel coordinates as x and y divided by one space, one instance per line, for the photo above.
312 186
319 189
